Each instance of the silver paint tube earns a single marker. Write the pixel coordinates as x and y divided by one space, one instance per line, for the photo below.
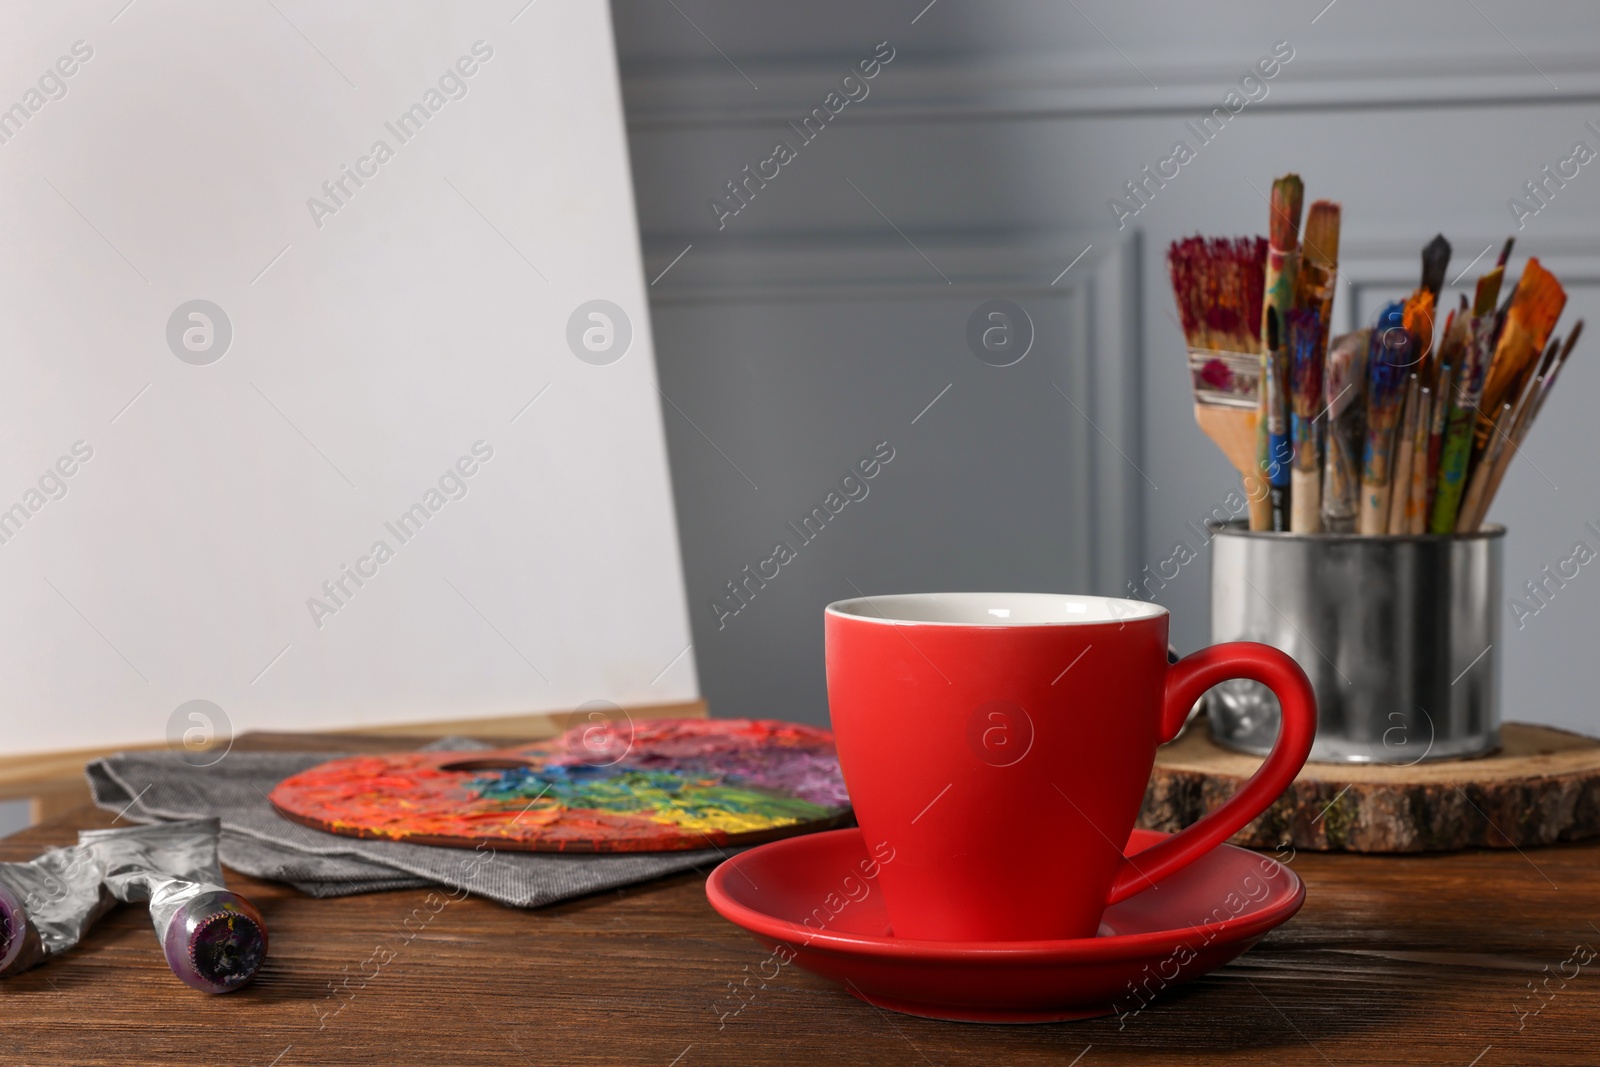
47 905
213 939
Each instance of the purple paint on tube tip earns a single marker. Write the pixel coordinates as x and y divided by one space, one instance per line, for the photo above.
13 929
215 942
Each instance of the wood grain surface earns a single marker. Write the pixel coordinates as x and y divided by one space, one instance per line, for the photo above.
1422 959
1542 786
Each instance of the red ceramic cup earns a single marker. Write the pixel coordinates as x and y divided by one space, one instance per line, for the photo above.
1000 745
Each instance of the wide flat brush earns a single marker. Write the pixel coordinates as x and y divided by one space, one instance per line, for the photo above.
1217 282
1218 286
1534 309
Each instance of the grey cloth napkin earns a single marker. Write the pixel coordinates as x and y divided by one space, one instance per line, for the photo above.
256 840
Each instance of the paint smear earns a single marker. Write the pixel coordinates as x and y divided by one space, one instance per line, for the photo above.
659 785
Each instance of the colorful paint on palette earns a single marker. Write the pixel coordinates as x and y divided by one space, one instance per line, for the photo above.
659 785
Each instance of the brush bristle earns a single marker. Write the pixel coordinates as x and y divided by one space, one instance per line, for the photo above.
1453 340
1538 303
1305 361
1435 260
1572 339
1418 319
1550 353
1535 306
1321 241
1488 291
1288 192
1388 365
1218 283
1345 375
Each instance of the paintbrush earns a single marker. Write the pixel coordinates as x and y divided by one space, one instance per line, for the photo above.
1283 246
1314 291
1416 514
1453 342
1218 286
1405 436
1319 264
1438 419
1534 309
1525 424
1280 449
1456 451
1435 260
1418 319
1450 341
1500 315
1561 361
1527 409
1305 372
1345 385
1477 486
1546 383
1283 262
1388 361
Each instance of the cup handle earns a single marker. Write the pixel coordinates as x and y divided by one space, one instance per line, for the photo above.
1187 680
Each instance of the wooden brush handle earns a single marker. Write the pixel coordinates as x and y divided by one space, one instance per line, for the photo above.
1374 517
1305 501
1234 431
1260 506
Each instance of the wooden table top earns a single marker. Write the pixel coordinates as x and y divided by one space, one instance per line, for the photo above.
1419 959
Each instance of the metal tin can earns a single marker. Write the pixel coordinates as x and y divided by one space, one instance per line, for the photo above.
1399 634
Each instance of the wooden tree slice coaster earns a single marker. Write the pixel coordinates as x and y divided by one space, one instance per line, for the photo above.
1542 786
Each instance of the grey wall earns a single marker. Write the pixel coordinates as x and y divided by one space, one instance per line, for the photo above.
809 326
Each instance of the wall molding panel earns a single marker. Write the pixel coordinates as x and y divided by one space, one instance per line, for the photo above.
1074 85
1099 369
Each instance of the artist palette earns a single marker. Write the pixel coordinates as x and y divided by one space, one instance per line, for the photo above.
655 786
815 901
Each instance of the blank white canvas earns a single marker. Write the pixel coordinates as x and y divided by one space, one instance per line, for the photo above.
379 331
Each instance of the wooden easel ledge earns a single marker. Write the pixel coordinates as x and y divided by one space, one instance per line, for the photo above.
53 782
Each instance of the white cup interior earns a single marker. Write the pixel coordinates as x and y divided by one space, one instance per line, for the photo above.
994 609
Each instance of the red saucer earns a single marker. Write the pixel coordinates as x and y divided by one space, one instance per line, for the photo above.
815 901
